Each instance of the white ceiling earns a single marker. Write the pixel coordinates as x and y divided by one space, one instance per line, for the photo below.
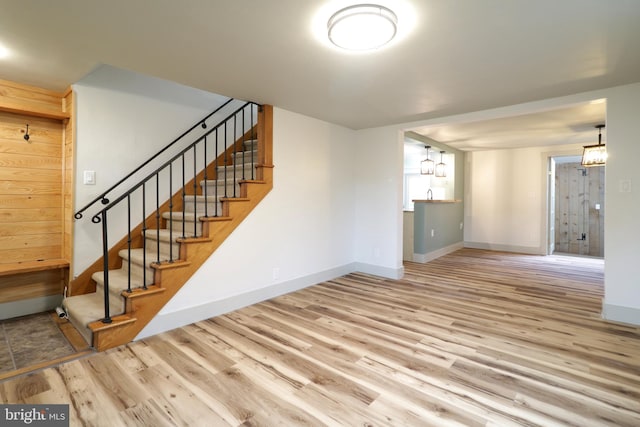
571 125
450 57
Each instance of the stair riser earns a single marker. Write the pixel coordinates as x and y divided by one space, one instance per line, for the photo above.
116 288
211 191
152 246
199 206
217 188
116 302
137 271
248 157
240 173
176 226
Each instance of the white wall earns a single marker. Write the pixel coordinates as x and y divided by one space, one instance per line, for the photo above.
378 197
116 131
622 221
505 198
302 233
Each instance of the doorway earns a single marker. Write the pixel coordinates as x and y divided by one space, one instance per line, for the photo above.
578 208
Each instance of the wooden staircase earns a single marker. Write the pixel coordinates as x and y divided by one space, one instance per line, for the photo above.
132 311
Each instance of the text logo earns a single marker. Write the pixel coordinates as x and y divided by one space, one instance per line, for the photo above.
34 415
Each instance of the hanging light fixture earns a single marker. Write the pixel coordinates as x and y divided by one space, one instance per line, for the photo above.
441 171
427 166
595 155
362 27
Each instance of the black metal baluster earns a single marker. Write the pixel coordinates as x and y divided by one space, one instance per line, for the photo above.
244 135
204 189
170 212
158 217
105 257
128 242
215 190
144 235
226 133
184 202
195 193
253 143
234 166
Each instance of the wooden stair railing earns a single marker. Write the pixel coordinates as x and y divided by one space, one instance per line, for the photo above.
142 305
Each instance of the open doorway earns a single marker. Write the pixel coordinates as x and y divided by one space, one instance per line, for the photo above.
576 206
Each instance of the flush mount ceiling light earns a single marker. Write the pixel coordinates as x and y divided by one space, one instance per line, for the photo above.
362 27
595 155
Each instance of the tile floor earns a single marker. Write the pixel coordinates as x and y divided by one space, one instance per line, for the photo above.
28 340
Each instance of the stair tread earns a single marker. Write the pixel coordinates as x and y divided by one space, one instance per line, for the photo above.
138 255
165 235
200 197
88 308
118 280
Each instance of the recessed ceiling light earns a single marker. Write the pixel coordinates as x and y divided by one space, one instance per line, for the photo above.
4 52
362 27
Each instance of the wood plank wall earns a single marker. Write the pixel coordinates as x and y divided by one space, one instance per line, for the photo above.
36 188
31 189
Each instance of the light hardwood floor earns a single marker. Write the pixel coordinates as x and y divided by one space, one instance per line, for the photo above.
475 338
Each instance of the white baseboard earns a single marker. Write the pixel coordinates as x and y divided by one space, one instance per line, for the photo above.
376 270
12 309
531 250
430 256
166 321
618 313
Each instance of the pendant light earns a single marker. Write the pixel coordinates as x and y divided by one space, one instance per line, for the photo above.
427 166
595 155
440 168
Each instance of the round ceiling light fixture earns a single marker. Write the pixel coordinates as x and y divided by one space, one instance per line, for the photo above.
362 27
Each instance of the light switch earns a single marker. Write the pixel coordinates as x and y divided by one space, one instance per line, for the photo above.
597 206
89 178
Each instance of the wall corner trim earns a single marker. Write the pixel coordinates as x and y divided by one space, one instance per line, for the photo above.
377 270
622 314
430 256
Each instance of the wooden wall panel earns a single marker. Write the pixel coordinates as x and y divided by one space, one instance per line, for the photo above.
31 285
23 99
31 199
33 243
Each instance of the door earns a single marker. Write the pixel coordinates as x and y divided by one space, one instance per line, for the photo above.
579 209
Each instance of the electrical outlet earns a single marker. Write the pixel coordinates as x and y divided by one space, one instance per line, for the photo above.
276 273
433 232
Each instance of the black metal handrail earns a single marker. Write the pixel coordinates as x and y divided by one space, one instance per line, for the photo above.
206 145
102 197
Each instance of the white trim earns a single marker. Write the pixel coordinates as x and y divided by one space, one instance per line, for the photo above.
24 307
430 256
531 250
376 270
167 321
618 313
